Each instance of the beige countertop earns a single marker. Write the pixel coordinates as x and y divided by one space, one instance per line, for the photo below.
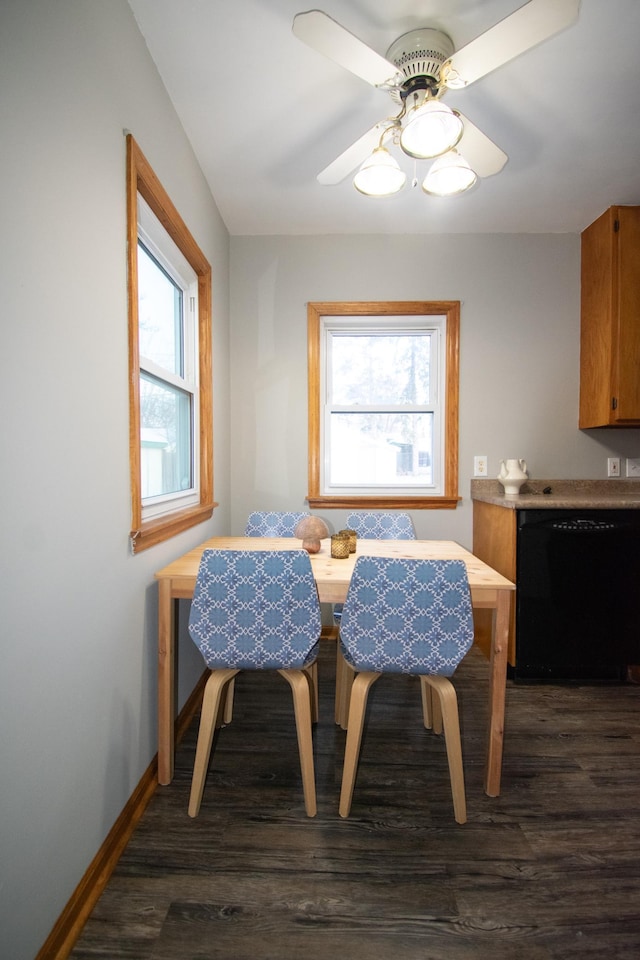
614 494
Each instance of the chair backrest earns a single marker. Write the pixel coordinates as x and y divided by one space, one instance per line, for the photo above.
255 610
382 526
273 524
407 616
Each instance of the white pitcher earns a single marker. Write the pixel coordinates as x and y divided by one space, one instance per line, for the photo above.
513 474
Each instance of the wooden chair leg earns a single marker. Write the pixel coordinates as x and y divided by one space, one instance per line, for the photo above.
213 692
436 715
448 702
431 710
360 686
340 669
344 680
312 674
301 687
228 702
427 703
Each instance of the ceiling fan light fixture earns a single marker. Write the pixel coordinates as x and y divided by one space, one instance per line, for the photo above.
431 130
448 176
380 175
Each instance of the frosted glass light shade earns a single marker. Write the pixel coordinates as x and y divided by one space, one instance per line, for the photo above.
431 130
380 175
449 175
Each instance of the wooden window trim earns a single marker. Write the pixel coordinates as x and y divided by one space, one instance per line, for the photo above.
142 179
451 310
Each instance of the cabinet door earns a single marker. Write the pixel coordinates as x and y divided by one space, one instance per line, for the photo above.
610 320
626 332
494 542
597 267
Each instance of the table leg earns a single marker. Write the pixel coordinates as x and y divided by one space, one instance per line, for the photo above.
497 692
166 684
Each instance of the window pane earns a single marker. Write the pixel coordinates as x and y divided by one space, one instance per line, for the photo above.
381 448
380 369
159 315
165 438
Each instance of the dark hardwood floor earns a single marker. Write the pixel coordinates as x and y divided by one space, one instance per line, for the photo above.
550 870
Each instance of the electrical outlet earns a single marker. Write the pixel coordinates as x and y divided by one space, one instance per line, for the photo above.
480 466
633 467
613 467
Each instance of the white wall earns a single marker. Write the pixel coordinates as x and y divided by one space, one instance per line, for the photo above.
519 370
79 613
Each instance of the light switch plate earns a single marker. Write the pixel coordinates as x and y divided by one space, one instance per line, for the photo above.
633 467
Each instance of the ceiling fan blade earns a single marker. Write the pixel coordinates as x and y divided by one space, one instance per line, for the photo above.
536 21
327 36
352 157
482 154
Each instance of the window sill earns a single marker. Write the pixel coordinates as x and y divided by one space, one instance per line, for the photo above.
156 531
384 503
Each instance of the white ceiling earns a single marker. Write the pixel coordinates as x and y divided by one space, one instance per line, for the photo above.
265 113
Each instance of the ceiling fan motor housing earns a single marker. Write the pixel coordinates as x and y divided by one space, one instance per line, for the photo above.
418 55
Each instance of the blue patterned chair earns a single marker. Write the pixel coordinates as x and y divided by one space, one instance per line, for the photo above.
412 617
256 610
382 526
270 523
265 523
369 525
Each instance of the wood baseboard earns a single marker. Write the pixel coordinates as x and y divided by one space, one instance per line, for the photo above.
68 927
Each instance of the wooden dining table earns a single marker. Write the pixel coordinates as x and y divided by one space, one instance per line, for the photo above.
489 590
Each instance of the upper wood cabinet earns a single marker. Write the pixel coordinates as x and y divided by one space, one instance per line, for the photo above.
610 320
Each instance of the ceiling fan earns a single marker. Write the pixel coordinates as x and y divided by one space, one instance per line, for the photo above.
418 69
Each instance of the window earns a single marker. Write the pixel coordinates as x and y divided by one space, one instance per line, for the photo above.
383 404
170 364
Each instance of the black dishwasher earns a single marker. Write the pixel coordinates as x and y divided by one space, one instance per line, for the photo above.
578 595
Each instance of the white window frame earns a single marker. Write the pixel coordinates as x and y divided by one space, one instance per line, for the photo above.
162 248
433 327
447 496
175 516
